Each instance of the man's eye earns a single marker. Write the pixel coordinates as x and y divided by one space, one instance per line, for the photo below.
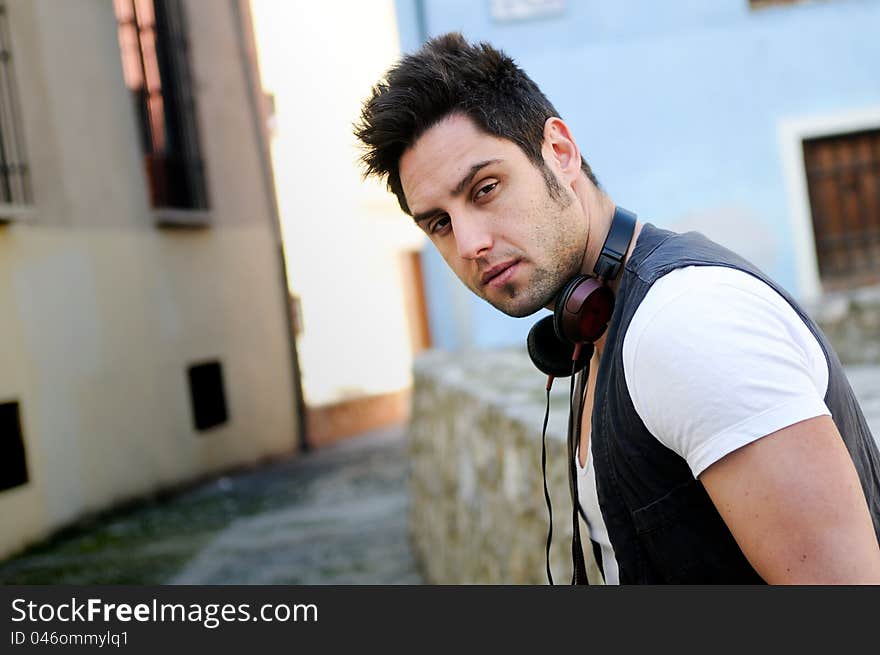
485 190
439 225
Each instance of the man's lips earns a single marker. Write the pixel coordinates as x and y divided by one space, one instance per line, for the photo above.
498 274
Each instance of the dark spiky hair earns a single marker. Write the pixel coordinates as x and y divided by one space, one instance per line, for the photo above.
448 75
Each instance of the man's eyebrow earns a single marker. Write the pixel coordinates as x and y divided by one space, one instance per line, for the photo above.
467 179
471 173
424 216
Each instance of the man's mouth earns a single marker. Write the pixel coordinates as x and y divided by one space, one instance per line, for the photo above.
499 274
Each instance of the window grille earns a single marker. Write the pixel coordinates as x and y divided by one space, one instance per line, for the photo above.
155 62
15 187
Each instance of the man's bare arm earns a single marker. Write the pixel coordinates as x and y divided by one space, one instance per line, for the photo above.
794 504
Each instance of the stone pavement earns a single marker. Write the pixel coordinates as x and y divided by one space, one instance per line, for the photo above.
350 528
337 515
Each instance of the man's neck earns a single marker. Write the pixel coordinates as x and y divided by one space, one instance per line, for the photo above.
599 212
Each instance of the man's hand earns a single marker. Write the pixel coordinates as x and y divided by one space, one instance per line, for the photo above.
793 502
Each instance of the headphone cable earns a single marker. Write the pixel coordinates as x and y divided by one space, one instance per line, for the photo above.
544 473
579 569
579 575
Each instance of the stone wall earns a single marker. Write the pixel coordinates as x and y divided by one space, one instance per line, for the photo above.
851 321
478 514
477 510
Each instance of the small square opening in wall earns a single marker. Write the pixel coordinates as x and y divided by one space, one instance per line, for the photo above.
206 393
13 465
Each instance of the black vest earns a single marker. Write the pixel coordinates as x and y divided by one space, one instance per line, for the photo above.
660 520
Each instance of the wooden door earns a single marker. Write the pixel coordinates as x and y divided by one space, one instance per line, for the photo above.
843 177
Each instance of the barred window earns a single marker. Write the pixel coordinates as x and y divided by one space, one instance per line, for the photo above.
155 61
15 188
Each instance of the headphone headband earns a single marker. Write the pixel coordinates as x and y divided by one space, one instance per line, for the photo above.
623 224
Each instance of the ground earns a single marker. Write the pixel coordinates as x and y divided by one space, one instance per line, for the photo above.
332 516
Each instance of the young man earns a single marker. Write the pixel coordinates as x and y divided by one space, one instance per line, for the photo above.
724 443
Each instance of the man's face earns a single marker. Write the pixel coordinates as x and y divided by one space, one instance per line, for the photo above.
489 211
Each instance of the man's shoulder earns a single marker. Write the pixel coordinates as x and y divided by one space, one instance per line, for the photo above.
703 288
659 251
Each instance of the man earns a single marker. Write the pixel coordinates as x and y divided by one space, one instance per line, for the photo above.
710 453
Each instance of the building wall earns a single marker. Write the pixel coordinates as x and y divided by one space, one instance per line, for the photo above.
688 112
345 236
101 311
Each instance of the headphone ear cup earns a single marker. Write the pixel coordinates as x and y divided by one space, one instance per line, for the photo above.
559 308
583 309
550 354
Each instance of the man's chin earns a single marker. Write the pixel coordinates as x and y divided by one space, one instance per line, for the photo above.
517 307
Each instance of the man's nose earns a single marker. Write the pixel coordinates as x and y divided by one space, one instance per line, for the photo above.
473 238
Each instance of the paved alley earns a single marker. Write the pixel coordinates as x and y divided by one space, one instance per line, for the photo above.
333 516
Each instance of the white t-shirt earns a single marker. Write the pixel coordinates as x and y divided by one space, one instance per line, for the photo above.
713 360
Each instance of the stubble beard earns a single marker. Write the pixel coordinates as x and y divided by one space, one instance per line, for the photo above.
522 301
544 284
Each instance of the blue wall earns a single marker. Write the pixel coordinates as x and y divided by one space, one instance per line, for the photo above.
677 106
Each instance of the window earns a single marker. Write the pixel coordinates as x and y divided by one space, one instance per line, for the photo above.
155 62
15 189
207 395
843 179
13 464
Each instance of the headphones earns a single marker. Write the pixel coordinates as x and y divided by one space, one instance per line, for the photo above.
562 344
583 308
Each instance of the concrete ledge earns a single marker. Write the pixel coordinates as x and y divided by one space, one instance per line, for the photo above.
16 213
478 514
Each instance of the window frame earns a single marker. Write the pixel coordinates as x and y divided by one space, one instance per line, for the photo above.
157 66
792 133
16 195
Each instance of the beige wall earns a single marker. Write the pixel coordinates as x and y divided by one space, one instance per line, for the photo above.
344 237
101 311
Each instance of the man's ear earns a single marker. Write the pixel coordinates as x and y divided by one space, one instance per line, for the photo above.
560 150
